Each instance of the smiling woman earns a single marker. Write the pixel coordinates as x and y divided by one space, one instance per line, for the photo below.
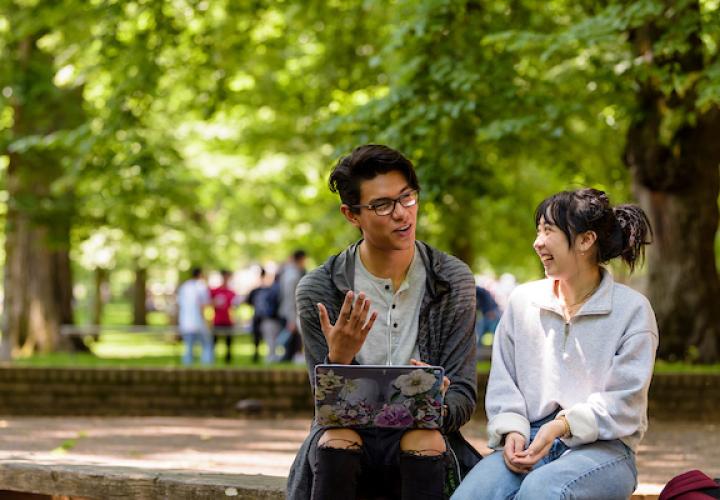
572 359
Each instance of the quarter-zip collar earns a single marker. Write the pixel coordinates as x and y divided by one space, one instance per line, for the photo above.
599 303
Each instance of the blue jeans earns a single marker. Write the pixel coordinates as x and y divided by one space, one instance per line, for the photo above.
205 339
601 470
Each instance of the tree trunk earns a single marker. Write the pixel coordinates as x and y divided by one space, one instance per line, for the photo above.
101 276
140 297
38 220
63 297
32 318
677 183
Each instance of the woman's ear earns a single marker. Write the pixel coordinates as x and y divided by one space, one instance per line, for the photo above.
586 240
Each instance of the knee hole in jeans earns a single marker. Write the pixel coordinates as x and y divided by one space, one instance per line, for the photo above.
423 443
347 444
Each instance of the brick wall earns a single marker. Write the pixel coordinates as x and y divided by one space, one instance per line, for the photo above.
170 391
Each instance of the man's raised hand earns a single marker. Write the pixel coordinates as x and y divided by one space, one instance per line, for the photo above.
346 336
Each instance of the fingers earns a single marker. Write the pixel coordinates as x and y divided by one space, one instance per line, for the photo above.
530 456
514 468
324 319
346 309
366 329
446 381
359 311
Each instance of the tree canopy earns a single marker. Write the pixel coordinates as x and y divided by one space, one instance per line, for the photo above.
183 131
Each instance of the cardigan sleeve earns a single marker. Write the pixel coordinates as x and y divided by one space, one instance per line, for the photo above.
458 353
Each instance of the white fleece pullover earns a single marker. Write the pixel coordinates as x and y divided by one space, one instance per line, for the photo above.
596 369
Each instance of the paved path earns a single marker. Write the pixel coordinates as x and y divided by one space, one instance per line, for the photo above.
266 446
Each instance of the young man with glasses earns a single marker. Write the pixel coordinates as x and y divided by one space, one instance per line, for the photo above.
387 299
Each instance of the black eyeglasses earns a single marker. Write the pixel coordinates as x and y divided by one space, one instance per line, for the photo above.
386 206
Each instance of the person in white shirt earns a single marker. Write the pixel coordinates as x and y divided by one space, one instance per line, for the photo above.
572 360
192 298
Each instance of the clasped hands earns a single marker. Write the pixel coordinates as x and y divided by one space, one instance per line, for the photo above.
521 460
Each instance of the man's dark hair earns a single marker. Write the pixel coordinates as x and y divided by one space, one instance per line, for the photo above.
299 254
196 272
365 163
225 273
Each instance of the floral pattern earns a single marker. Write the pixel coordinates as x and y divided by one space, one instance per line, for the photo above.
356 402
415 382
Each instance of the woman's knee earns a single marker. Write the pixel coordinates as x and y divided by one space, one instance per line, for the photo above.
340 438
423 442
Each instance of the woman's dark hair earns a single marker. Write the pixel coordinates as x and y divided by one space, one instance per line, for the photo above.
365 163
622 231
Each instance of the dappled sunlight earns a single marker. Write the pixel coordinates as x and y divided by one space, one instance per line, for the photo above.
230 446
268 446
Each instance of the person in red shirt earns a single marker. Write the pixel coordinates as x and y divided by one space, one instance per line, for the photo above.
223 298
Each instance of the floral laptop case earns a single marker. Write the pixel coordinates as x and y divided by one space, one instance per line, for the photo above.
396 397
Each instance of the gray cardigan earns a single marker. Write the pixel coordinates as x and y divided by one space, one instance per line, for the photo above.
445 338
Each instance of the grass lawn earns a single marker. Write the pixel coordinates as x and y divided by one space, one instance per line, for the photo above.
118 349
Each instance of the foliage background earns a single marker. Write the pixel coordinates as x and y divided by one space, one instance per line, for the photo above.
203 132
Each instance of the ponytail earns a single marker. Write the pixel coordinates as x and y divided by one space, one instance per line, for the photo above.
635 231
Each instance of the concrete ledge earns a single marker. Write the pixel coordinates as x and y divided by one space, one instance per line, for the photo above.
90 482
115 483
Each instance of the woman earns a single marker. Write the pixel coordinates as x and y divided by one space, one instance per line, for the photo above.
572 359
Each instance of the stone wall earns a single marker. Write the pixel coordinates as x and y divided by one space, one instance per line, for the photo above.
170 391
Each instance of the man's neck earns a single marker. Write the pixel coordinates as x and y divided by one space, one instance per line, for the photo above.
392 265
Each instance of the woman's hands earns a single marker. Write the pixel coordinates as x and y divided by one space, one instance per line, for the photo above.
346 336
514 444
524 460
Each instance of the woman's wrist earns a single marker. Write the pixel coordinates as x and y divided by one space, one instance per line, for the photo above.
563 427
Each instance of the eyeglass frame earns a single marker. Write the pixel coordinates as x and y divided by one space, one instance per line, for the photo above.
395 201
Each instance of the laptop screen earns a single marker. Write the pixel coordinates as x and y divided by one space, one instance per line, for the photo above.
396 397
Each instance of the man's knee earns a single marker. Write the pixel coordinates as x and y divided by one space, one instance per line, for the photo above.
340 438
423 442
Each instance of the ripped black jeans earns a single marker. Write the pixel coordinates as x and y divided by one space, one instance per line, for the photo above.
376 470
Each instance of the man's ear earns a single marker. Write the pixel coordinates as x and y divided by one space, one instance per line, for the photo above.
351 216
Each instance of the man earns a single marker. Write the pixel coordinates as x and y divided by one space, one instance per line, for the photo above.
425 302
192 298
223 298
289 276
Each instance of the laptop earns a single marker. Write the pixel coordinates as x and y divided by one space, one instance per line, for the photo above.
367 396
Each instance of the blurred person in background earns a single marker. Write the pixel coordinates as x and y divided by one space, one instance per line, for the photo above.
289 277
488 317
193 297
266 324
223 299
